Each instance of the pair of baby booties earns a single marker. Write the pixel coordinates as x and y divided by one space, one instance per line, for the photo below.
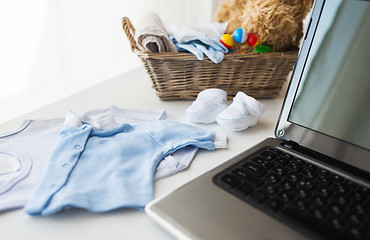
211 106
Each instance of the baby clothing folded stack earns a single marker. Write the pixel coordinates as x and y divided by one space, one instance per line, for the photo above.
153 36
211 106
199 40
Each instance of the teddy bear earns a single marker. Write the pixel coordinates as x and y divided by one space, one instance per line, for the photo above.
277 23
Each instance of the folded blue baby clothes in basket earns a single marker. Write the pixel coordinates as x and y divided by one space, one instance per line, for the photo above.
199 40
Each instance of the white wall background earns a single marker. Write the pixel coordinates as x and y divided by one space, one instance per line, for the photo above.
50 49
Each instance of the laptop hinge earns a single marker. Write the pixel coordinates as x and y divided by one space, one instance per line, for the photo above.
290 144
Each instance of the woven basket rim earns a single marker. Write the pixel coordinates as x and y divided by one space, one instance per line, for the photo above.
235 57
232 55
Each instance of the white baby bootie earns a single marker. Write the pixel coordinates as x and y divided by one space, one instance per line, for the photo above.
208 104
242 113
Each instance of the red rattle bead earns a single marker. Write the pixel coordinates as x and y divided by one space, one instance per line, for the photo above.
252 40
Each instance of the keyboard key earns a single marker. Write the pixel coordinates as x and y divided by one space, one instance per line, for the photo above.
258 196
349 183
248 177
340 200
280 170
335 227
354 233
317 214
358 209
288 156
361 194
271 189
287 185
254 169
278 152
323 172
243 189
325 180
269 155
336 224
285 196
364 190
310 166
354 219
282 161
308 173
305 184
299 205
293 214
295 167
319 201
302 193
337 178
263 162
299 161
274 204
341 187
272 178
324 191
241 172
336 210
293 177
229 180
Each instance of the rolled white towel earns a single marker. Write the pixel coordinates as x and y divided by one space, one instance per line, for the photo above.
151 35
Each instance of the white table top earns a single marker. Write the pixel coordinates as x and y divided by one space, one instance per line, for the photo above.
130 90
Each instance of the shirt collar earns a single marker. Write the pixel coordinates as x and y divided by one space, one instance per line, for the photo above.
77 120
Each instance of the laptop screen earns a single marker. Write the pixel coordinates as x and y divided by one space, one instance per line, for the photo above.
333 96
327 107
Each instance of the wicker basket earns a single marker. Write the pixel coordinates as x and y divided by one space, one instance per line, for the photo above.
182 76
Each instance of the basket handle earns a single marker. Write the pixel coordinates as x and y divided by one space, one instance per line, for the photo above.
130 33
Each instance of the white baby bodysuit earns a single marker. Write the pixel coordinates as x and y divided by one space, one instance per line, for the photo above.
32 144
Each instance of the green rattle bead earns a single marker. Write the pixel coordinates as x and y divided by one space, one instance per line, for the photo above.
262 48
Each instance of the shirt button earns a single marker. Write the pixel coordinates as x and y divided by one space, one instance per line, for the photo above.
65 165
78 147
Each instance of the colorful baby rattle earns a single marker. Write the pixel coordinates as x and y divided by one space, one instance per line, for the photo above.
240 36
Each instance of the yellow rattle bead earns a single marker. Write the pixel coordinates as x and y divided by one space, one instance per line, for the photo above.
227 40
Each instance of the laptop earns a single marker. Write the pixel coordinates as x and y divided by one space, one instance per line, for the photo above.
312 181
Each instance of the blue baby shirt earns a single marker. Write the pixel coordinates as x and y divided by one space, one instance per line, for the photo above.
101 170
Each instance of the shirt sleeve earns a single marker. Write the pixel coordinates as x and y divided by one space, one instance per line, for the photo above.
174 136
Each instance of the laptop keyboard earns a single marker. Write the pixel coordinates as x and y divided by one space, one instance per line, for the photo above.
295 190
